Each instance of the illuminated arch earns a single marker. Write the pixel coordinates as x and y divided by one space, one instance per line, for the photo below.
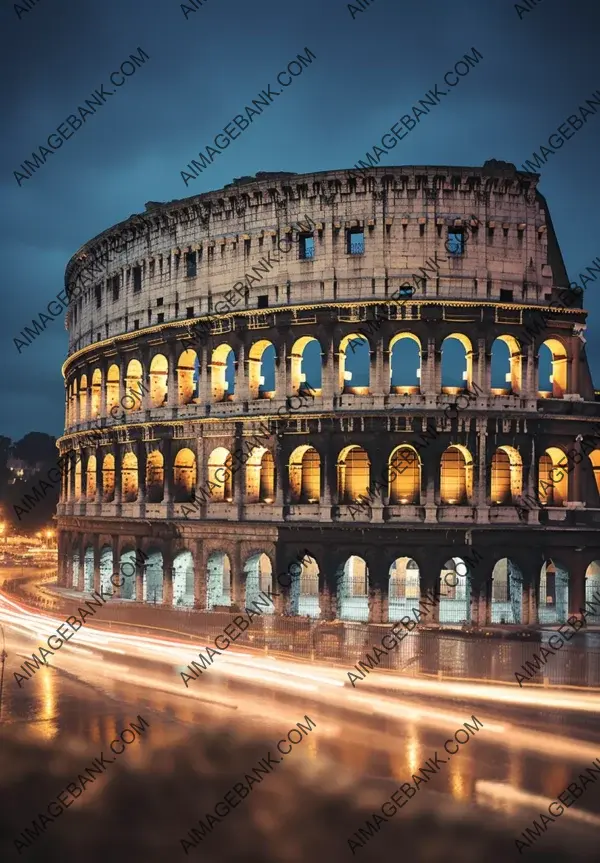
152 585
454 380
507 369
77 493
90 478
506 476
456 482
558 369
159 380
304 587
306 351
96 393
108 478
83 396
455 590
405 364
155 476
222 373
183 579
404 587
353 474
106 568
507 592
261 370
218 580
305 475
259 578
595 461
188 373
553 602
553 477
592 591
404 466
184 475
112 387
133 378
129 477
220 475
260 476
354 369
353 590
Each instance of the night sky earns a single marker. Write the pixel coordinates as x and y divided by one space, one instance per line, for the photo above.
536 69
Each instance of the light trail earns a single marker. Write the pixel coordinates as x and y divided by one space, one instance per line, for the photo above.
496 792
318 681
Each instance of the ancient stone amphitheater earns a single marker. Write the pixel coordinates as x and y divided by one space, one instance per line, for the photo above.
384 373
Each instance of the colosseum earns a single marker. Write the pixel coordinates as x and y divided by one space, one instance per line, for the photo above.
382 374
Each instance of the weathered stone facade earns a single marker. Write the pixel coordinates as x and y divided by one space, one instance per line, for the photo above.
326 255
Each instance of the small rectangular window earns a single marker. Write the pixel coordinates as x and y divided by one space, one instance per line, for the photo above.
159 301
136 324
190 312
263 301
355 241
306 247
456 241
190 265
506 295
160 317
115 284
98 292
137 280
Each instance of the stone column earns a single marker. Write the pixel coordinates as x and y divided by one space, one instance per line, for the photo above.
140 569
103 405
118 475
200 561
172 382
429 371
329 383
168 574
142 457
281 377
481 478
242 384
238 581
576 586
204 382
328 596
429 583
480 371
99 484
379 385
96 581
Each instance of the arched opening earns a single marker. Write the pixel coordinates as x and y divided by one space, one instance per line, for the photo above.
457 364
552 384
96 393
507 592
405 364
112 388
108 478
595 462
159 380
77 494
404 588
261 370
259 578
184 475
592 591
222 374
127 574
153 578
75 565
553 477
220 475
90 478
88 569
506 476
304 587
354 365
218 580
260 476
133 381
305 475
183 580
404 476
306 364
188 376
506 366
456 482
83 399
155 476
129 477
455 590
353 590
554 593
106 569
353 474
75 403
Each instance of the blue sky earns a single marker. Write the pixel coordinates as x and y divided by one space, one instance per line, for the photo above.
369 71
